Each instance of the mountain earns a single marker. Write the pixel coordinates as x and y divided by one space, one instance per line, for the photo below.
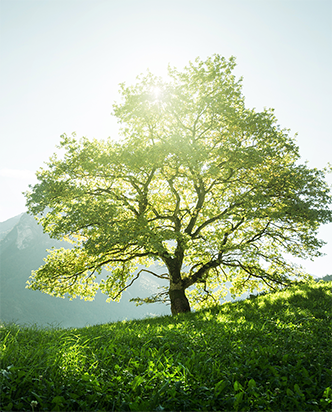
6 227
327 278
22 249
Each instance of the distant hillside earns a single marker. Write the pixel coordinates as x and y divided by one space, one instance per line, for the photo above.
7 226
22 249
326 278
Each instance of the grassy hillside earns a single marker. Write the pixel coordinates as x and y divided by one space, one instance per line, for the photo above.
270 353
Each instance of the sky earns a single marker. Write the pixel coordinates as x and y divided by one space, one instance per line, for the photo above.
61 62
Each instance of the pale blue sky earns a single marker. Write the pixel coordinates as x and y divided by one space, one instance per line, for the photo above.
62 61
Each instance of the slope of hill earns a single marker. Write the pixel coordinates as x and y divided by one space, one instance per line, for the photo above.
271 353
22 249
7 225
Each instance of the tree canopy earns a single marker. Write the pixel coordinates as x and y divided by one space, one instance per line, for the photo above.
210 189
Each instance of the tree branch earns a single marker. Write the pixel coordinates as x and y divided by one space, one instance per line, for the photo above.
199 204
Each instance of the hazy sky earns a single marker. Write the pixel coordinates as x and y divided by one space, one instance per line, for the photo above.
62 61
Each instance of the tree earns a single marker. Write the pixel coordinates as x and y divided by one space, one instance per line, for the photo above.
212 190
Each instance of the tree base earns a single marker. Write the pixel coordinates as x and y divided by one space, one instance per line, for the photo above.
179 301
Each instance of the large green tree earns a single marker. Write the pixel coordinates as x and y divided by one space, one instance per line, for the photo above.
212 190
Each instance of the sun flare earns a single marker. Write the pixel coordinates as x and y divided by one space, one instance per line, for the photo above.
156 91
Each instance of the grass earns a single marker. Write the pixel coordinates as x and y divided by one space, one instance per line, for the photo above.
270 353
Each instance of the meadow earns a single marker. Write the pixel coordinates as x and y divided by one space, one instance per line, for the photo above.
269 353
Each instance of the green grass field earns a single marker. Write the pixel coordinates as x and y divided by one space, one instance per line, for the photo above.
270 353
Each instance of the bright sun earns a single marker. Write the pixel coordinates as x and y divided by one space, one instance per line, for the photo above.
156 91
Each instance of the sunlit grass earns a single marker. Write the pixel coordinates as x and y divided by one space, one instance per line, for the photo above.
270 353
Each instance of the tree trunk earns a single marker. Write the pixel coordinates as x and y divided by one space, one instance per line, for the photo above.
179 301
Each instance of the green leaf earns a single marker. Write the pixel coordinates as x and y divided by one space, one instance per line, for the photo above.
237 386
58 400
220 386
251 384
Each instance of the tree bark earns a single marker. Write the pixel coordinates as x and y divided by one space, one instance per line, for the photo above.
178 298
179 301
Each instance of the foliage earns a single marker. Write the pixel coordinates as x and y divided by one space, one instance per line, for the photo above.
200 183
271 353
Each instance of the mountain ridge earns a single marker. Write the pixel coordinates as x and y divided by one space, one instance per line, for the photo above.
7 225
